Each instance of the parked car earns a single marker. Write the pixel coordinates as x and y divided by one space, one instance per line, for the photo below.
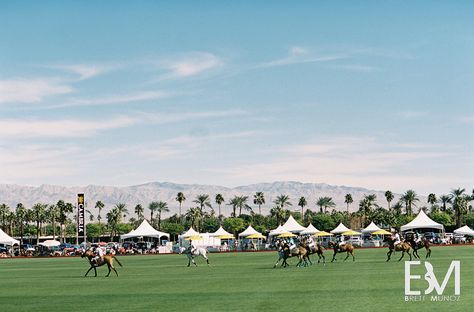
356 241
459 239
27 247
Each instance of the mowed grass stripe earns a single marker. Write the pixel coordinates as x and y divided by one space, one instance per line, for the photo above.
233 282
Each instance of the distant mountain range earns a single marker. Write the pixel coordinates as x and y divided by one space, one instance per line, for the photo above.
156 191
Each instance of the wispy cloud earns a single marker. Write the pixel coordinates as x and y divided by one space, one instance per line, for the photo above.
115 99
189 65
412 114
357 67
300 55
65 128
23 90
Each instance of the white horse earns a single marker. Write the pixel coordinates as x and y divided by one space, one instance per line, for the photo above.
192 253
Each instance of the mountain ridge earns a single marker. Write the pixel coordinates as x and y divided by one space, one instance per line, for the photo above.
143 194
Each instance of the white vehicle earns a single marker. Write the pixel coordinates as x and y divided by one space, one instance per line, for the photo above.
356 241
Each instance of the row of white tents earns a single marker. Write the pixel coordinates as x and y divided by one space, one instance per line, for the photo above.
421 221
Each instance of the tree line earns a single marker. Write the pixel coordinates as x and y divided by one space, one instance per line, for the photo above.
59 220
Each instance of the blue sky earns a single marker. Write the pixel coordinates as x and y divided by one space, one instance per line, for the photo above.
371 94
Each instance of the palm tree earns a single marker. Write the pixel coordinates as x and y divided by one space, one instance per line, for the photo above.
219 200
64 210
53 213
115 216
445 199
259 199
366 205
21 218
397 208
91 215
325 202
180 198
195 215
4 210
432 199
162 207
99 205
139 210
460 201
302 203
39 217
282 201
348 200
153 206
203 200
279 213
409 198
389 197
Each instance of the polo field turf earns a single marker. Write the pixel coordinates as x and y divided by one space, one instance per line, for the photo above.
233 282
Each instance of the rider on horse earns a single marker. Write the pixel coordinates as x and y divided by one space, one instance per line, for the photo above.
99 255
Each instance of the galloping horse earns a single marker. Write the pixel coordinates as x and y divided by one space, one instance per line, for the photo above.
284 252
193 253
343 248
109 260
403 247
423 243
315 248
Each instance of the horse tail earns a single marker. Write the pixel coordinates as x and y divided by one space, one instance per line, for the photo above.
116 259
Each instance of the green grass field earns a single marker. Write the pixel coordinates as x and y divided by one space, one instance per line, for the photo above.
233 282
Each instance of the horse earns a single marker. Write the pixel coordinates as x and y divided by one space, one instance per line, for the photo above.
315 248
404 247
193 253
342 248
284 253
109 260
423 243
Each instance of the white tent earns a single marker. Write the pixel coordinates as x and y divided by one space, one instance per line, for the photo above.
372 227
422 221
341 228
279 230
249 231
465 230
292 226
50 243
221 232
310 229
145 229
7 240
189 233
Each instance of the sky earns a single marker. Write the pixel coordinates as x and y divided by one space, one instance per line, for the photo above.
375 94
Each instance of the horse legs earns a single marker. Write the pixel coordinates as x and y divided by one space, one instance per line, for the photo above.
403 254
347 256
207 259
389 253
92 267
334 256
428 253
108 267
353 257
415 254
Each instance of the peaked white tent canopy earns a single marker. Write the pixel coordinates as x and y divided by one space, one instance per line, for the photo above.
249 231
291 225
422 221
279 230
189 233
145 229
341 228
372 227
7 240
465 230
221 232
310 229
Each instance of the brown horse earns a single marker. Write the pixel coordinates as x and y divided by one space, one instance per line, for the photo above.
403 247
343 248
423 243
109 260
284 253
314 248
